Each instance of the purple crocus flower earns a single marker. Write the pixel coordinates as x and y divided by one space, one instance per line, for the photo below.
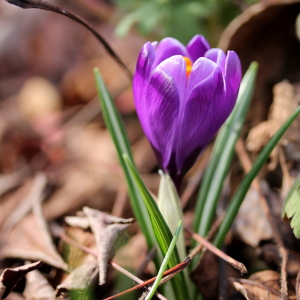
183 95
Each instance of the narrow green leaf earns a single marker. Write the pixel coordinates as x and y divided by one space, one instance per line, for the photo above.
242 190
291 208
169 206
165 262
161 230
115 126
222 155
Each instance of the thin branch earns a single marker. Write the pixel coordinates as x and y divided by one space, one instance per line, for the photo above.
236 264
44 5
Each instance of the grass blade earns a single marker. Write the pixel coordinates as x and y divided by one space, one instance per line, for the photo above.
242 190
165 262
115 126
161 230
222 155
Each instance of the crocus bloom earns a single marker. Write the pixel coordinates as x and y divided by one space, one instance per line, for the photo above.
183 95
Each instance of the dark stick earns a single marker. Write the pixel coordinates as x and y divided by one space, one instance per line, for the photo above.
44 5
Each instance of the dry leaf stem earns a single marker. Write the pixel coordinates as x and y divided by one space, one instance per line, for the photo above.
209 246
247 165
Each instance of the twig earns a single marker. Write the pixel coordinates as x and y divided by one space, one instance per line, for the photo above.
145 262
171 271
236 264
210 235
44 5
120 201
247 165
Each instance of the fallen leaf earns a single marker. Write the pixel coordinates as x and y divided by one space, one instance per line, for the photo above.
285 102
261 285
251 224
10 277
38 287
270 254
107 230
80 278
29 239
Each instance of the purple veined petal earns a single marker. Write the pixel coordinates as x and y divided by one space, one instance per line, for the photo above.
197 47
201 119
218 56
233 73
164 94
233 76
140 81
201 70
168 47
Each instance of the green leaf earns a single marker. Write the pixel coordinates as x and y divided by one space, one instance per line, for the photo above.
291 208
165 262
115 126
242 190
161 230
222 155
169 205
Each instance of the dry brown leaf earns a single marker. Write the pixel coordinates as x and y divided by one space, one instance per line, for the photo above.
271 28
91 178
251 224
261 285
30 239
10 277
38 287
107 230
270 254
81 278
285 102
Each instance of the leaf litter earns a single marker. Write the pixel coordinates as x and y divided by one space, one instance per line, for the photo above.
82 170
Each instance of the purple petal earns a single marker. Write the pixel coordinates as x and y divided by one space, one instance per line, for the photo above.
201 70
218 56
164 93
168 47
197 47
233 74
140 80
203 116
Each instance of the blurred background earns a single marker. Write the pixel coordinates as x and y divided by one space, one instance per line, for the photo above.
51 124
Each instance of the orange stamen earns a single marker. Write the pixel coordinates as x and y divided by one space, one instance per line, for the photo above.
189 66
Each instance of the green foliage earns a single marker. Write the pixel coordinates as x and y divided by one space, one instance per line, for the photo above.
161 230
165 262
243 188
181 19
222 154
291 208
115 126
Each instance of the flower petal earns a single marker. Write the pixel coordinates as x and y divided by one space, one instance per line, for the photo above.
218 56
165 91
168 47
197 47
201 119
140 81
201 70
233 74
